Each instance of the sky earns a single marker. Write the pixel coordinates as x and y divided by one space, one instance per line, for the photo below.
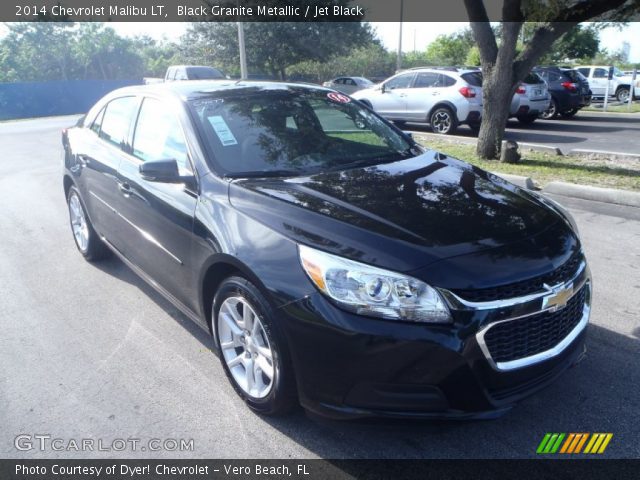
414 34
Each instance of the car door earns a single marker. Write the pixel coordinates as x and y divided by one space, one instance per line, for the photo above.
160 215
391 99
599 81
100 155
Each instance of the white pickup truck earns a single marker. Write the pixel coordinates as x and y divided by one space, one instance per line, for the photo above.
619 85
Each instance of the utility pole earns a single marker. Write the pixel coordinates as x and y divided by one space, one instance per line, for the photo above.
243 53
399 58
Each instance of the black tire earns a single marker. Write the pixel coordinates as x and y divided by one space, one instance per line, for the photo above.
622 95
282 397
551 112
442 120
475 127
569 113
527 119
95 249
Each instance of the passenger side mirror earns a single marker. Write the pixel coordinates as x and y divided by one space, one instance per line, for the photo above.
165 171
383 89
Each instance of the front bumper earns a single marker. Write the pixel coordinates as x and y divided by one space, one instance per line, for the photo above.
348 366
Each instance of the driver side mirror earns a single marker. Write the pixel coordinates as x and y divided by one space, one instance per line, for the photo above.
164 171
383 88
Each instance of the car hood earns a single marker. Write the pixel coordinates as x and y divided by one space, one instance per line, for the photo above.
401 215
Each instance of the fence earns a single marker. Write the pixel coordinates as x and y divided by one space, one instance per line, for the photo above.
64 97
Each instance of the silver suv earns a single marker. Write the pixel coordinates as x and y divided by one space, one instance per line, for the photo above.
442 97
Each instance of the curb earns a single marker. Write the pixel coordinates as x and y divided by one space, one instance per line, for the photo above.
524 182
604 153
597 194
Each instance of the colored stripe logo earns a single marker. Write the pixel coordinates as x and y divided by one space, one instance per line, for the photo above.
573 443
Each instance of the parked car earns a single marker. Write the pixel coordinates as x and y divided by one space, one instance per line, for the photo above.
349 269
192 72
348 85
443 98
530 99
569 91
619 85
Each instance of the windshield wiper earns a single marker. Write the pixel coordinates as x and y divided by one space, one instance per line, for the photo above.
264 174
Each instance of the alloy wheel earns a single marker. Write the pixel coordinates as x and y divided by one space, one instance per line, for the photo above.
550 112
245 347
78 222
441 121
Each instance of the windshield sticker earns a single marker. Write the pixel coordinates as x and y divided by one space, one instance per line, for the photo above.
338 97
222 130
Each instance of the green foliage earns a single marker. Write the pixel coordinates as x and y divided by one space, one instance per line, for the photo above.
272 47
579 44
450 49
41 51
372 62
473 57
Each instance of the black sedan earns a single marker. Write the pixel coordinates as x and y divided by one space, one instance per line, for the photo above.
336 262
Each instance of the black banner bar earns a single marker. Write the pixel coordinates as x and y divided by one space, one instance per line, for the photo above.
534 469
251 10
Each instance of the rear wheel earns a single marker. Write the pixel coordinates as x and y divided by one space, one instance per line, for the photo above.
474 126
253 350
527 119
569 113
443 120
551 112
622 95
87 240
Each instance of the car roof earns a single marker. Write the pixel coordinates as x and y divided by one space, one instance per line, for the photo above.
190 89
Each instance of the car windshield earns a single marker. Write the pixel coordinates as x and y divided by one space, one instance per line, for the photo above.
532 79
473 78
293 131
204 73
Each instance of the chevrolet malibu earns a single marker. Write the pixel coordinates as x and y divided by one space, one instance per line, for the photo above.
336 263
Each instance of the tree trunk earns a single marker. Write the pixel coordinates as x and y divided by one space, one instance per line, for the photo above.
497 91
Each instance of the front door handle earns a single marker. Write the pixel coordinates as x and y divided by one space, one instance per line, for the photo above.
125 188
83 160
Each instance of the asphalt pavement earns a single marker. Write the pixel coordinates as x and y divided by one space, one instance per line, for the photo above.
607 132
90 351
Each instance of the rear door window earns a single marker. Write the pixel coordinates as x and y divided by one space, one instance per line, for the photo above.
117 119
426 80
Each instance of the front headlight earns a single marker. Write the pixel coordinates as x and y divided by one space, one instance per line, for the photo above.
372 291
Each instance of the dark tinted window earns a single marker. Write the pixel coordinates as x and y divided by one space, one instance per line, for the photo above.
584 71
574 75
116 120
158 135
532 79
445 81
294 130
401 81
204 73
426 80
473 78
600 73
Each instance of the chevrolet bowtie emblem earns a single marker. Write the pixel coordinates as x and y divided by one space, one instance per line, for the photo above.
558 297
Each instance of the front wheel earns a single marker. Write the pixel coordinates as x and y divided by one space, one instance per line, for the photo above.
622 95
443 121
253 351
86 238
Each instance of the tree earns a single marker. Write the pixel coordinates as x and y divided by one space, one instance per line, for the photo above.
579 43
450 49
504 67
273 46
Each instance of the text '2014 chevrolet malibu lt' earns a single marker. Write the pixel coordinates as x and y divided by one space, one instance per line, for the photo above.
337 263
